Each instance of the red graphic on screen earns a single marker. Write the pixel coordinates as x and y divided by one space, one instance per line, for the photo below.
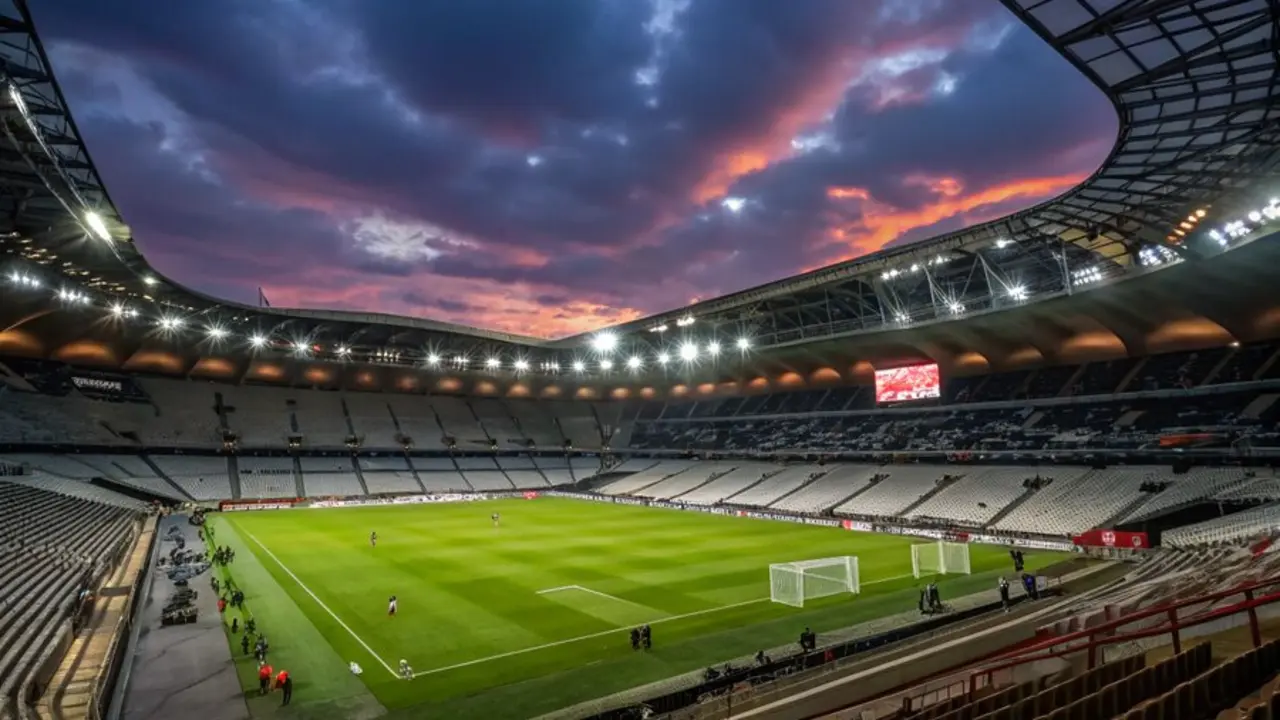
916 382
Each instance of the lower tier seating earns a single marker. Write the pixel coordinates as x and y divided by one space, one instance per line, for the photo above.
53 546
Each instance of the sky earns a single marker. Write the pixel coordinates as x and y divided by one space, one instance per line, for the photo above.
549 167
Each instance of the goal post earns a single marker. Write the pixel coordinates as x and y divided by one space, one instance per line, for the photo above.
793 583
940 558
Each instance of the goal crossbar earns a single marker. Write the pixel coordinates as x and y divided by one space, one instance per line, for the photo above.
793 583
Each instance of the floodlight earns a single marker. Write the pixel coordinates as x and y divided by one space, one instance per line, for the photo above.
97 225
492 362
460 360
604 342
553 366
117 309
344 350
301 347
633 362
257 341
606 364
579 366
744 344
149 280
955 307
433 359
170 323
685 321
522 365
713 349
1018 292
215 332
688 352
663 358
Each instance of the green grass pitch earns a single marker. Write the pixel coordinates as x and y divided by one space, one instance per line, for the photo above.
487 640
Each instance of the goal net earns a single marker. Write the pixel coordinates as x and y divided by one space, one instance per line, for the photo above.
940 558
795 582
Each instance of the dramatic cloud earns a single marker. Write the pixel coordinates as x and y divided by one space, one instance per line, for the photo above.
551 166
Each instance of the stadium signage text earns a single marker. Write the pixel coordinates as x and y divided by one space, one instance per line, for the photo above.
88 383
260 505
412 499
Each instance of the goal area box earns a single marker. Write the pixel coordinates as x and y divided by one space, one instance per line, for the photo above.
793 583
940 558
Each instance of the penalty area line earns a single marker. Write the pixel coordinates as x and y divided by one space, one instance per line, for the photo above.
603 633
589 591
580 638
324 607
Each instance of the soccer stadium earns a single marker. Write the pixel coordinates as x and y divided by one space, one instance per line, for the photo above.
1025 469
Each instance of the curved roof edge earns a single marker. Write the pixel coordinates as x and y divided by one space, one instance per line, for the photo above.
1197 127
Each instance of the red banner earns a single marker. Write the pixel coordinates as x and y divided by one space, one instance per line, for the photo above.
1113 538
530 495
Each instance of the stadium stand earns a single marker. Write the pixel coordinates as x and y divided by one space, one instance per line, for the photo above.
677 484
200 477
1076 500
834 485
777 485
57 539
726 487
976 497
650 475
321 419
897 489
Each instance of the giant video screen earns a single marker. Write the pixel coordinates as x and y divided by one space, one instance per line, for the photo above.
904 384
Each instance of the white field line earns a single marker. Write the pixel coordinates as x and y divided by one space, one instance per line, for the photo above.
324 607
567 641
603 633
588 590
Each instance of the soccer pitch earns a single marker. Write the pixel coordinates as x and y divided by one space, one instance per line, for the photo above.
533 616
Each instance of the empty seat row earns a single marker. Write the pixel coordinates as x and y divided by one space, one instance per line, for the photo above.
1107 691
1210 691
52 545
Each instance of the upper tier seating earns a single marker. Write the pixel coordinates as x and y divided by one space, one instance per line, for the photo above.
417 419
459 422
322 422
261 416
498 423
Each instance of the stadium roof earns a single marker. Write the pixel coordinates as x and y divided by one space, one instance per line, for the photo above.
1193 84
